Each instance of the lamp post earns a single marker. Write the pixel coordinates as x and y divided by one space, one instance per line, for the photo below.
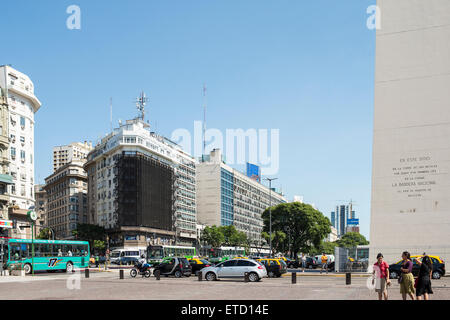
270 212
32 216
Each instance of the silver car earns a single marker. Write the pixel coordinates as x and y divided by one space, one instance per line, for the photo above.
235 268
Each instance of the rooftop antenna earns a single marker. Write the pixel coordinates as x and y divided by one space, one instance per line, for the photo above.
204 120
110 114
141 101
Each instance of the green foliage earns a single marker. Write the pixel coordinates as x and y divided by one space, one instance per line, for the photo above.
45 234
212 236
224 235
278 239
99 244
304 226
352 239
90 232
327 247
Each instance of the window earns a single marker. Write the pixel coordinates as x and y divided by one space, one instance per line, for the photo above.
13 153
231 263
22 122
22 155
22 139
244 263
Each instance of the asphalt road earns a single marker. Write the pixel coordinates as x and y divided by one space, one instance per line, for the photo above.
107 285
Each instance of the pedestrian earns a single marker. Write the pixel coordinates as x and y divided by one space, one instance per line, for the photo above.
324 263
423 287
381 272
406 279
303 261
96 260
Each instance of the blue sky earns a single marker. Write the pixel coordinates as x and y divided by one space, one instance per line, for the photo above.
303 67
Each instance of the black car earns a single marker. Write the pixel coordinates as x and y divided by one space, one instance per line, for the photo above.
174 266
438 269
310 263
274 267
198 264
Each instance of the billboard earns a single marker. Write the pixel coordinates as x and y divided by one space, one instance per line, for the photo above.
6 224
352 222
254 172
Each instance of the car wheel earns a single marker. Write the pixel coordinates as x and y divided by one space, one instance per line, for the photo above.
436 275
393 275
310 266
27 268
270 274
178 274
210 276
69 267
253 277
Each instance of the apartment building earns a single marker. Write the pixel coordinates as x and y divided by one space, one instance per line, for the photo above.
66 192
141 188
226 196
18 104
63 155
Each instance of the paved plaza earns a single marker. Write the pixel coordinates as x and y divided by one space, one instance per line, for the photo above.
107 285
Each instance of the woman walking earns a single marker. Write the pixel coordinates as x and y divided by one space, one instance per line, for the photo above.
424 278
381 273
406 278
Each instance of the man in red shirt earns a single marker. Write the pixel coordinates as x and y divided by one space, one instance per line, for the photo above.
381 272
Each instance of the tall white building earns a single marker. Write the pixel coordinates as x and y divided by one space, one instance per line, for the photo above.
76 151
141 187
410 207
22 105
226 196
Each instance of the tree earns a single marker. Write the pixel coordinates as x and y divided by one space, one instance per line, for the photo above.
352 239
278 239
90 233
307 226
327 247
99 245
45 234
212 236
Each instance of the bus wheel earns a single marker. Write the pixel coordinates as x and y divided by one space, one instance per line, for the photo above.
27 268
69 267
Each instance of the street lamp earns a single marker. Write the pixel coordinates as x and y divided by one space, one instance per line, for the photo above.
270 211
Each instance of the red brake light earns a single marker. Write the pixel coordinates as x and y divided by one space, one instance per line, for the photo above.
260 267
207 265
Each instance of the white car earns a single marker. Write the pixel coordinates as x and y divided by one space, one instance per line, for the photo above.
235 268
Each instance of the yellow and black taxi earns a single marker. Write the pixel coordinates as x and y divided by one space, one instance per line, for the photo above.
197 264
274 267
438 267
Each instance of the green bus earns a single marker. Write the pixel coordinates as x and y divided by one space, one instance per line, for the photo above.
156 253
48 254
216 255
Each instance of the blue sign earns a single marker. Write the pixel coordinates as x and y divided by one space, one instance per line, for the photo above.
254 172
353 222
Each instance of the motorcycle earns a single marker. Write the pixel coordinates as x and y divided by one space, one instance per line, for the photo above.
143 271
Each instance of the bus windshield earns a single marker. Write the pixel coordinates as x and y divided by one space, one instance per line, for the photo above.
115 254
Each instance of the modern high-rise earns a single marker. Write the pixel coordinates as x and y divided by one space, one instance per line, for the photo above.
63 155
66 194
141 188
18 106
410 207
226 196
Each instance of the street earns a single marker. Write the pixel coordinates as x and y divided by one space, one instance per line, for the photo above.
107 285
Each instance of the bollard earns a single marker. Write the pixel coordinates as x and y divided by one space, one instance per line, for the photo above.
200 276
348 278
246 277
121 273
86 273
294 277
157 274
